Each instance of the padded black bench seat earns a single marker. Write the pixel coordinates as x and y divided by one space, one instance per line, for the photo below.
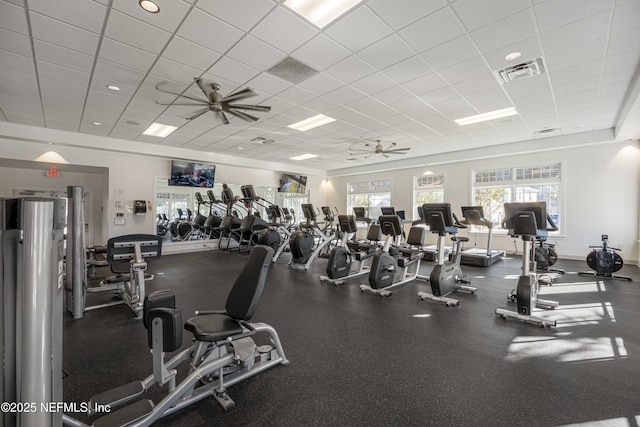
212 327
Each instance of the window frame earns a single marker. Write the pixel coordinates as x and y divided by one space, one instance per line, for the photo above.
370 189
432 187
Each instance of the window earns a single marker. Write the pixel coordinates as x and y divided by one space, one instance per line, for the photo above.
427 189
293 202
371 195
542 183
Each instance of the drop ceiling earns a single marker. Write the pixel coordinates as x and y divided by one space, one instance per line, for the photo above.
399 71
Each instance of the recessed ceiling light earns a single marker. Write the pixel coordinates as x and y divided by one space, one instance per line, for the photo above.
149 6
427 173
112 87
303 157
491 115
97 123
312 122
158 129
512 56
321 12
240 148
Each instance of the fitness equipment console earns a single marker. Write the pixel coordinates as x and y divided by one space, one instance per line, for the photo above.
474 215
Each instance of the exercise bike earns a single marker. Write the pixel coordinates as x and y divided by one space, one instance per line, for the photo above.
446 276
522 220
604 261
343 258
223 353
395 266
303 241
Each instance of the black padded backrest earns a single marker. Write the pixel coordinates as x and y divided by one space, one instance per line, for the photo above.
347 223
390 224
375 233
247 289
436 222
416 236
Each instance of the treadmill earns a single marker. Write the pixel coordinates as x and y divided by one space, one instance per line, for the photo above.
474 215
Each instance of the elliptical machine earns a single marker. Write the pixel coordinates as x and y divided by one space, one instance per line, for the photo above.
342 258
522 220
302 242
395 266
446 276
604 261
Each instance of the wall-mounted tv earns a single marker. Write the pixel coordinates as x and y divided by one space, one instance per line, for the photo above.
191 174
293 184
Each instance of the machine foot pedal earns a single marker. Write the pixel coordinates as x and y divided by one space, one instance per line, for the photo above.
119 395
126 415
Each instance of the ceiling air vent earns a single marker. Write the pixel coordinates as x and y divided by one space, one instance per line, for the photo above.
547 132
292 70
521 71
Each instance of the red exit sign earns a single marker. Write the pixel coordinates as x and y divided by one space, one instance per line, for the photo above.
53 173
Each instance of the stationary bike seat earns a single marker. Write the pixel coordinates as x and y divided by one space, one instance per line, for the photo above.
459 239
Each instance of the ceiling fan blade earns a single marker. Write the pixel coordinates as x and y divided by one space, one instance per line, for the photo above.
198 113
178 94
243 116
394 152
188 104
357 150
370 155
241 94
250 107
393 144
397 150
202 87
385 155
223 117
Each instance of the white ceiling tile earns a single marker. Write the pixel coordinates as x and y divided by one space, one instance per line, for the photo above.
63 74
171 13
554 14
425 84
320 83
577 86
504 32
350 69
432 30
409 69
477 84
344 95
119 73
87 15
14 42
59 55
476 14
100 84
373 83
450 53
296 95
627 59
586 52
17 62
365 105
466 70
370 28
408 104
120 53
258 54
321 52
400 13
209 32
614 89
243 14
25 119
439 95
393 94
569 74
268 84
576 33
67 89
190 54
136 33
620 42
386 52
320 105
13 18
621 75
455 108
61 34
626 17
233 70
270 29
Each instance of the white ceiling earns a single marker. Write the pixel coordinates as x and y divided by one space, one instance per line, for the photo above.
398 71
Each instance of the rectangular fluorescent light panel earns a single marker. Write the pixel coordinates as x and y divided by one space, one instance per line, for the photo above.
312 122
158 129
303 157
321 12
484 117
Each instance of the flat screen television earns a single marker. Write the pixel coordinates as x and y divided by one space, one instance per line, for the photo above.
293 184
191 174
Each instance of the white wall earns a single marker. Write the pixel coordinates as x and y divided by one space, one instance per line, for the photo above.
601 194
